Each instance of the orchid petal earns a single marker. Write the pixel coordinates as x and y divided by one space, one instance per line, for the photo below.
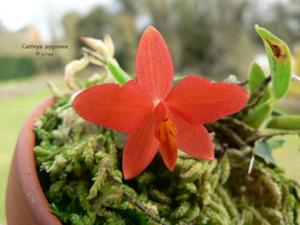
154 67
193 139
121 108
140 149
200 101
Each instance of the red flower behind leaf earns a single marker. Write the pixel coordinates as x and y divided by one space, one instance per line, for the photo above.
154 114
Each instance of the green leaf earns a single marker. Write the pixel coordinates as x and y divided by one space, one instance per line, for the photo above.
256 78
257 117
276 143
279 57
277 112
287 122
263 150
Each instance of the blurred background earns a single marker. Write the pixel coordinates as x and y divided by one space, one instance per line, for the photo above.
214 38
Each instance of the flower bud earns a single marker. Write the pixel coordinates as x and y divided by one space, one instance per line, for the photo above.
109 45
97 45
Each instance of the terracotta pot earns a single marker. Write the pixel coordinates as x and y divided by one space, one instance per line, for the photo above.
26 203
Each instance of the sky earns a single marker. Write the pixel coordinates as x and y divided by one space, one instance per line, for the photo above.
16 14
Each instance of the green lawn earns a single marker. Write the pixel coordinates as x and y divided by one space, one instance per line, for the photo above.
13 112
15 109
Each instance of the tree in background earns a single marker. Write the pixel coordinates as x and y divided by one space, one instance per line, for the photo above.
70 24
204 36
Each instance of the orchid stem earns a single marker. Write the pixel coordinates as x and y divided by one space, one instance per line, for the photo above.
268 136
231 134
271 135
259 95
239 123
243 83
116 71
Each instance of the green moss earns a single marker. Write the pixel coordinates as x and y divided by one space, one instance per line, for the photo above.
79 165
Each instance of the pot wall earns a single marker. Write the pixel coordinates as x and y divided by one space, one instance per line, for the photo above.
26 203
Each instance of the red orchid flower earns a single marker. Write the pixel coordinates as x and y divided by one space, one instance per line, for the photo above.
157 115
